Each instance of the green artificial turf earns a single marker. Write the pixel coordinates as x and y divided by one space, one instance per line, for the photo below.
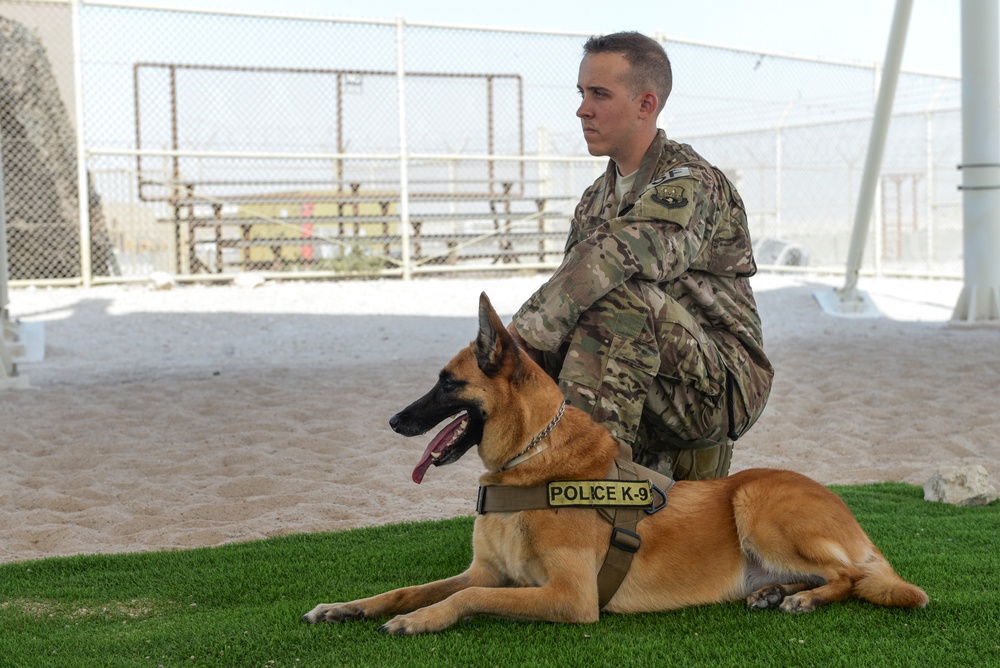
240 605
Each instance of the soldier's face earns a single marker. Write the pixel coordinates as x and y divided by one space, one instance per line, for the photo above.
608 112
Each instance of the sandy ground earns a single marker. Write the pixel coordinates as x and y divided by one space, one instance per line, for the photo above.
209 414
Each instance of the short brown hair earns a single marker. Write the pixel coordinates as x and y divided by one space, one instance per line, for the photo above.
649 65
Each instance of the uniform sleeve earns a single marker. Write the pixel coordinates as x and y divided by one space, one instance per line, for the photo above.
656 241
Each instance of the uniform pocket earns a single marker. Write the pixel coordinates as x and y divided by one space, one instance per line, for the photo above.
688 357
612 372
624 347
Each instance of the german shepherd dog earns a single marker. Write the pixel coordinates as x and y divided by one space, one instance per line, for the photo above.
774 538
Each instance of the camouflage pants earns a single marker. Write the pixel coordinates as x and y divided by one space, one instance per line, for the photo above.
641 365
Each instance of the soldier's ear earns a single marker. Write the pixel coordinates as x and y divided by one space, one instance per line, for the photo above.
648 104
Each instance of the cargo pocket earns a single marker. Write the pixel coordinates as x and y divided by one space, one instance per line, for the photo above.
687 403
609 375
688 357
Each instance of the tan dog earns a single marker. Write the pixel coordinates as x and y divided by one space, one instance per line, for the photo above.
774 538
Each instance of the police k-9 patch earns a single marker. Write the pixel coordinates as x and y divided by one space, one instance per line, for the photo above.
597 493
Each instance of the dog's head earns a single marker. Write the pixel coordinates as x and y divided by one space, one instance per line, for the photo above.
480 389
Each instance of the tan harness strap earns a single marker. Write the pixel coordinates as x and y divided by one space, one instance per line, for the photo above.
503 499
625 541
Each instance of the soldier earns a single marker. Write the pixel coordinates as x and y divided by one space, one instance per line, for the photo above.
650 324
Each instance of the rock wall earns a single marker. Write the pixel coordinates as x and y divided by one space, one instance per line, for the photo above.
39 168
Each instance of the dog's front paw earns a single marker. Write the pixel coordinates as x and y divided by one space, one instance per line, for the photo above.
334 612
421 621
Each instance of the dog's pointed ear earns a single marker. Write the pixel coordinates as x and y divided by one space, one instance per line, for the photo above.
494 342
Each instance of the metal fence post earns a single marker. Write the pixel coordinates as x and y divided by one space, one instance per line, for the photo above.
8 369
83 186
404 158
4 269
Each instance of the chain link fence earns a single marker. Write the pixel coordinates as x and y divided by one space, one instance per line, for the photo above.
218 143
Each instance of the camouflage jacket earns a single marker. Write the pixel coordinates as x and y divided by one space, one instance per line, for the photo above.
682 226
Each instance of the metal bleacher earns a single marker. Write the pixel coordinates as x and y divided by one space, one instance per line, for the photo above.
280 230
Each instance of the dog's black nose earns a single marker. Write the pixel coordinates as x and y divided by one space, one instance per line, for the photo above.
394 422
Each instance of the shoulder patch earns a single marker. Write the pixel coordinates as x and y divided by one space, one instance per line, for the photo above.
670 197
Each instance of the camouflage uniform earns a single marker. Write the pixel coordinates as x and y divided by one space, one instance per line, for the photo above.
650 324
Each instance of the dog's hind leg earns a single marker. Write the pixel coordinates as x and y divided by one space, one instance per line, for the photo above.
773 595
839 587
793 529
801 541
873 580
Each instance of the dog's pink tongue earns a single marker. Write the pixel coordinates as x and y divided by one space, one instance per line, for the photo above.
439 443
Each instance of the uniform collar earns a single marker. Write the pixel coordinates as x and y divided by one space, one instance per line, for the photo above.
647 170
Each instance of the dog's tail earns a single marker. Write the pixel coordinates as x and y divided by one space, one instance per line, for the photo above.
881 585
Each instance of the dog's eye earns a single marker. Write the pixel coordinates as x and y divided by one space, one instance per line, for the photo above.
449 384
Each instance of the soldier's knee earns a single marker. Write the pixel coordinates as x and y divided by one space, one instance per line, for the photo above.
687 464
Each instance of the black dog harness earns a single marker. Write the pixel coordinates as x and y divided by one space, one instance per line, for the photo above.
627 494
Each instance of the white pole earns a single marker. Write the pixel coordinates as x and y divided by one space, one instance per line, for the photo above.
929 177
877 213
83 187
404 158
878 248
7 367
545 170
779 151
876 147
4 267
979 301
